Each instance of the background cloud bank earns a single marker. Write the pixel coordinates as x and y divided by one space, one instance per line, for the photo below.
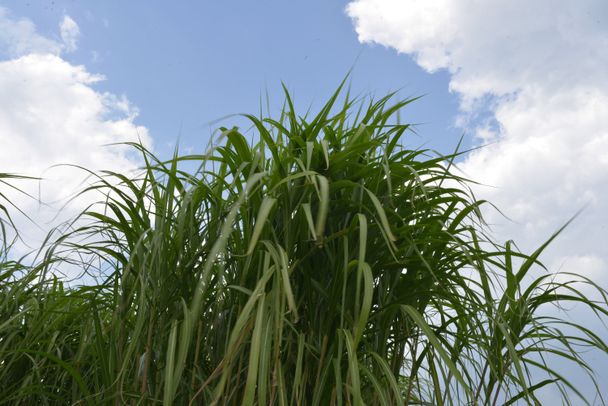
541 70
51 114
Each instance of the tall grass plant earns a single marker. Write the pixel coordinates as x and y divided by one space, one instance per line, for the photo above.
322 263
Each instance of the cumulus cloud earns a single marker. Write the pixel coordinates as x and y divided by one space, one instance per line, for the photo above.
19 37
540 69
493 46
51 114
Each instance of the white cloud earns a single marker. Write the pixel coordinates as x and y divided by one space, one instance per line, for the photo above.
543 66
541 69
69 33
51 114
493 46
19 37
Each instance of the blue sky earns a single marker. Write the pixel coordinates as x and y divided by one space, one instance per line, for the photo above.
186 64
529 79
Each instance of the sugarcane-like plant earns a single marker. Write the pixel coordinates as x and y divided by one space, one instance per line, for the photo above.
320 262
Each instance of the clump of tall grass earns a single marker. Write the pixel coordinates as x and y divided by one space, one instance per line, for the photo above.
325 263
